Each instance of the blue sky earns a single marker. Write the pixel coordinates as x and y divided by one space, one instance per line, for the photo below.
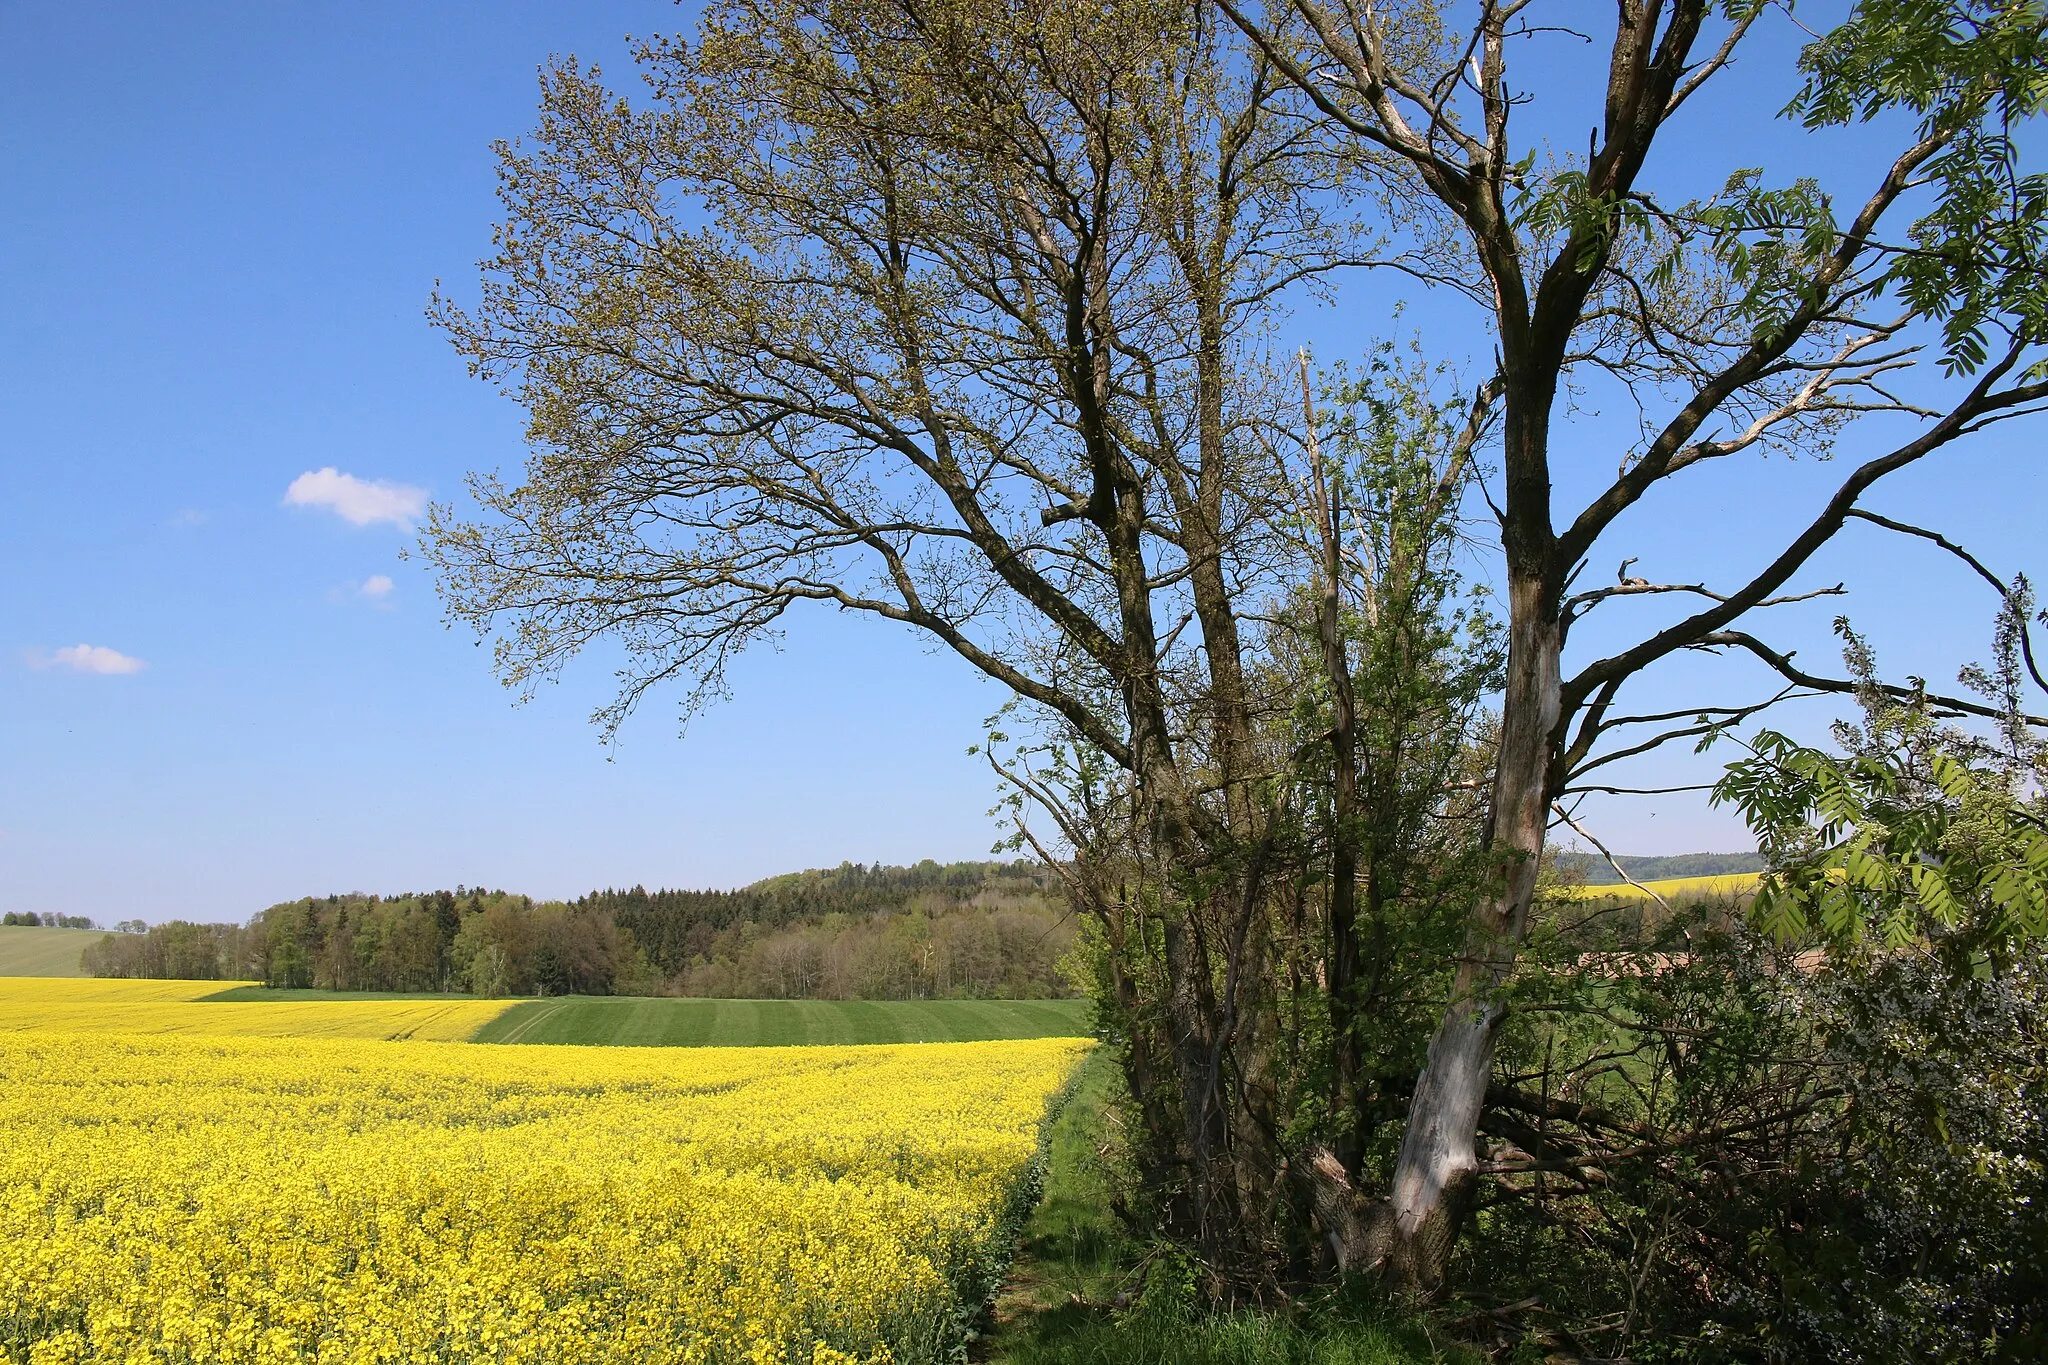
219 233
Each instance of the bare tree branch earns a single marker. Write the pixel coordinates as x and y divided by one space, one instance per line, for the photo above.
1786 668
2001 588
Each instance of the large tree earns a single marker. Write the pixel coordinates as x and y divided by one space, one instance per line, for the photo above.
948 315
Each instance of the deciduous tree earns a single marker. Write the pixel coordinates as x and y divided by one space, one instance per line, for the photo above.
1773 313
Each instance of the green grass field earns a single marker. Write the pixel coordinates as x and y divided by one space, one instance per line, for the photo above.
43 952
638 1021
630 1021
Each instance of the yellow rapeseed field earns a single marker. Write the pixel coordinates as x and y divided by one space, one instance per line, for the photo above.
90 990
171 1197
1722 884
87 1005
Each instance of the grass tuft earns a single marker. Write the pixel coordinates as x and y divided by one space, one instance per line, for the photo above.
1082 1291
1074 1336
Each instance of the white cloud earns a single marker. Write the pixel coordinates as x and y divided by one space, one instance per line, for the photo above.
356 501
377 585
88 659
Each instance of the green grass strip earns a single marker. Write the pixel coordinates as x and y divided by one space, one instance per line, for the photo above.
629 1021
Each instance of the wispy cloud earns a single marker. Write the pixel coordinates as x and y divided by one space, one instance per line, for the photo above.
189 516
375 591
87 659
360 502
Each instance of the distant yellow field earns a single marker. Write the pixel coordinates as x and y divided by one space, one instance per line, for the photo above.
91 990
1728 883
177 1007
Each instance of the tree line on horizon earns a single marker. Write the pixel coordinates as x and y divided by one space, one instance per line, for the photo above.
979 930
45 919
975 930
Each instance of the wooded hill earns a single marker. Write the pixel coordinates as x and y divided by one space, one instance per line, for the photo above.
982 930
976 930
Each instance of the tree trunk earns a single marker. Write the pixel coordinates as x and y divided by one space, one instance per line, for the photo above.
1433 1175
1343 949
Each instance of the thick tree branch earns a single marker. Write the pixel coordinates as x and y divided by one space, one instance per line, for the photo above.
1984 397
1667 453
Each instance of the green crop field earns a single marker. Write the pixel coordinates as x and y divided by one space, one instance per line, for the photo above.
616 1021
43 952
631 1021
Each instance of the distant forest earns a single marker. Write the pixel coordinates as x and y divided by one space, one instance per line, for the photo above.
980 930
933 931
30 919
